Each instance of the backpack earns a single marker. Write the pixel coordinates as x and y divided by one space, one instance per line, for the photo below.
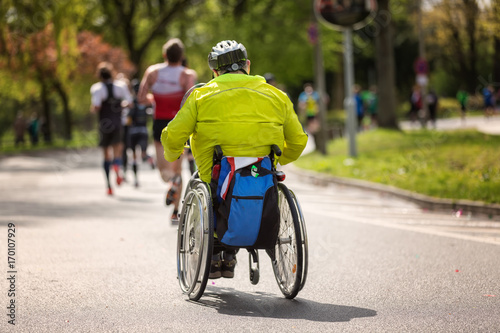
246 202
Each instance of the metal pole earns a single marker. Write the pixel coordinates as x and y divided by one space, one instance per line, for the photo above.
349 103
321 89
421 53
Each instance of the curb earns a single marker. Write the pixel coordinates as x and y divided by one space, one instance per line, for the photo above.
424 201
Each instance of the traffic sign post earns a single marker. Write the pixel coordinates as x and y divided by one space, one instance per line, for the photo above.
347 16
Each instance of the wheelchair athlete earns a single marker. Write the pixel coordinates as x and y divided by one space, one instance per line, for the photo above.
239 112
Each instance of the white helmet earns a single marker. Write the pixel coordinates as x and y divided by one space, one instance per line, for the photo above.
229 54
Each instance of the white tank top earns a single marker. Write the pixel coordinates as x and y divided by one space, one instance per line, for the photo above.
167 92
167 81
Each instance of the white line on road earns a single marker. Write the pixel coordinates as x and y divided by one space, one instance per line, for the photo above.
422 229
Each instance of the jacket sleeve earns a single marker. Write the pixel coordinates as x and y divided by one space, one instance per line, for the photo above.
176 134
295 137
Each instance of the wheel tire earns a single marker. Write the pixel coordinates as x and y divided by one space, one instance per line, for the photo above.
288 251
305 246
195 240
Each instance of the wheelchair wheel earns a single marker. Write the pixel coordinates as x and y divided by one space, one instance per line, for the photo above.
303 233
195 240
288 251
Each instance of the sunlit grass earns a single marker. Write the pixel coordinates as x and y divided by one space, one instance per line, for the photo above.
80 139
461 164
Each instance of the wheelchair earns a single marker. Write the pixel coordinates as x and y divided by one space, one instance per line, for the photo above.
195 241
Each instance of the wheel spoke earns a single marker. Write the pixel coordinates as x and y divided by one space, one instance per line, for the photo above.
194 242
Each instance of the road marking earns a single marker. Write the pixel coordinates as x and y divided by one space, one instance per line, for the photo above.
421 229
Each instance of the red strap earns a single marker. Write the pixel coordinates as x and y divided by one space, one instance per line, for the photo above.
230 160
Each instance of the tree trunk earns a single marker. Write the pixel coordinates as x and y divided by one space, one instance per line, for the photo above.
496 60
68 126
44 95
471 12
386 72
47 130
496 46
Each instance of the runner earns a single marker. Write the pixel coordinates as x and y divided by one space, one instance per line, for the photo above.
138 135
309 105
108 99
168 82
125 126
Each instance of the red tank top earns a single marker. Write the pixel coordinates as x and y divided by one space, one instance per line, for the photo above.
167 92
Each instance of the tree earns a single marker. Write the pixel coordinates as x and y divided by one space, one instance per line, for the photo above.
49 51
495 4
385 68
137 24
453 37
43 48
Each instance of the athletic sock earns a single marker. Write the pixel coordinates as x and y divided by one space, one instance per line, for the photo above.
117 162
107 167
134 168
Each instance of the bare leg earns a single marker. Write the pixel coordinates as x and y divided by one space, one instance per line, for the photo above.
117 150
176 169
169 170
162 164
108 160
134 166
117 161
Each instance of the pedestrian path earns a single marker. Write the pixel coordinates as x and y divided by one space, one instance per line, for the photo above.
489 125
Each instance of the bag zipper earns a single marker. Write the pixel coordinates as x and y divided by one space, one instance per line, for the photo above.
254 197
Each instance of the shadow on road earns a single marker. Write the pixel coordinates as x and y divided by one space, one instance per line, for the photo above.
94 209
229 301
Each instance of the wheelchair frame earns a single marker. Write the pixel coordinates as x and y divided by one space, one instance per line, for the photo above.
195 241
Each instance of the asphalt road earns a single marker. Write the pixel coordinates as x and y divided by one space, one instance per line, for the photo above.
86 262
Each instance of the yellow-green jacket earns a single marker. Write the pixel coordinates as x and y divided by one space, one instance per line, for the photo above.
241 113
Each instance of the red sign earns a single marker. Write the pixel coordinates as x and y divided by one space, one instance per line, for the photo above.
312 33
421 66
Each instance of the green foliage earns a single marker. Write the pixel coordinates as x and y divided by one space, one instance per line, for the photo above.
455 165
274 32
81 139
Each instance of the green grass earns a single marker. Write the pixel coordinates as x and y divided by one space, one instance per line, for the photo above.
80 139
461 164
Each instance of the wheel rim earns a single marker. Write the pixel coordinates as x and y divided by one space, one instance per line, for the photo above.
303 233
191 239
287 269
195 240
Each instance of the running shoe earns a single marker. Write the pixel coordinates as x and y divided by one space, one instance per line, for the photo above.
175 217
110 191
119 178
174 192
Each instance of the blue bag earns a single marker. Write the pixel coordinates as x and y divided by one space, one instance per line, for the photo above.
247 198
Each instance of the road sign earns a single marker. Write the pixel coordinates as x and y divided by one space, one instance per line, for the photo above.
345 13
312 33
421 66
